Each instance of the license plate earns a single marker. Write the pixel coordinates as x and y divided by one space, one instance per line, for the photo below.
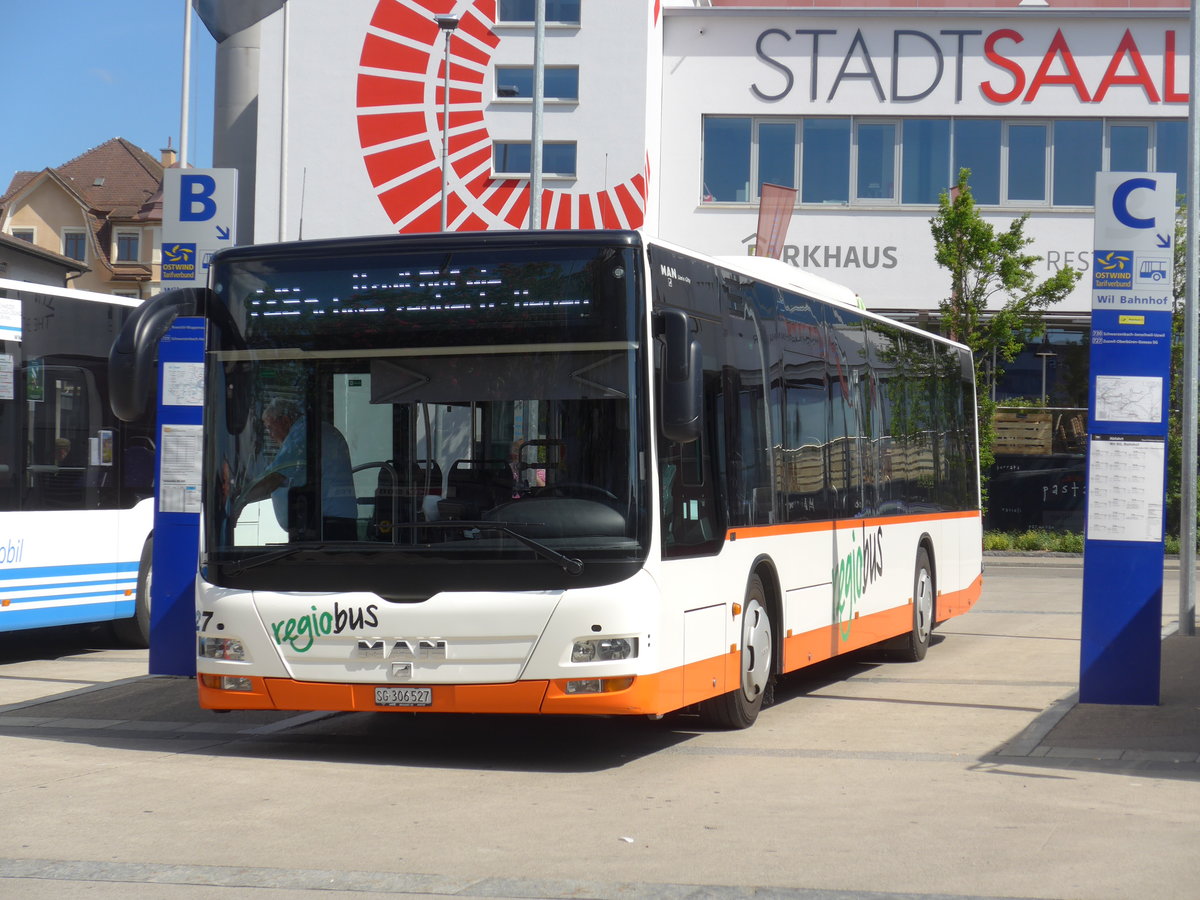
403 696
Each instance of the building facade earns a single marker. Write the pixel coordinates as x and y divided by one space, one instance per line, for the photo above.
102 209
670 114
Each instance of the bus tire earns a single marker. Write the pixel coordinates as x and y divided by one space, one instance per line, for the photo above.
740 707
135 631
924 598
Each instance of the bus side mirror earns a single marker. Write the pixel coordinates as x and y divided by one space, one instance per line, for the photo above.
132 361
681 385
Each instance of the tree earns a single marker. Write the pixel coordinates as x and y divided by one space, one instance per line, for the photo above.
987 265
1174 494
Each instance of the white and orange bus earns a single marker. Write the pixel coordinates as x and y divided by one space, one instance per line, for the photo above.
591 473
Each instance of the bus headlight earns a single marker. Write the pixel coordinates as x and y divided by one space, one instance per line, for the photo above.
604 649
221 648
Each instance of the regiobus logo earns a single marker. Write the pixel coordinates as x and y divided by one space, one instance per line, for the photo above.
399 109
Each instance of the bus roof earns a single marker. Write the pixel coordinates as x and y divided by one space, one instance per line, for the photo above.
50 290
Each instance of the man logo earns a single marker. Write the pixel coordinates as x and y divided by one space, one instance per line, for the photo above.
401 648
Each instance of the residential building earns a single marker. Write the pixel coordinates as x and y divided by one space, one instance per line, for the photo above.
102 209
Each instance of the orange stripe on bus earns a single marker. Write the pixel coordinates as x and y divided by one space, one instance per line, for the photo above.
654 694
800 650
750 531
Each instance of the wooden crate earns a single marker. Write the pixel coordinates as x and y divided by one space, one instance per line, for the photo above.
1024 433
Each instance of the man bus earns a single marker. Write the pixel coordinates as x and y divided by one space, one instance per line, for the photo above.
594 474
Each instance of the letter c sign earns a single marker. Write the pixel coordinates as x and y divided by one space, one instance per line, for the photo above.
1120 202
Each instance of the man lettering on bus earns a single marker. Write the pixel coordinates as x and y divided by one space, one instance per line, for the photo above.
288 426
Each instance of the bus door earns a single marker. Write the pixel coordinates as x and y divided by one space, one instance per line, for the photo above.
849 457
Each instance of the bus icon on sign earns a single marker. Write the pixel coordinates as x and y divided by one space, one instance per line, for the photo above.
1153 270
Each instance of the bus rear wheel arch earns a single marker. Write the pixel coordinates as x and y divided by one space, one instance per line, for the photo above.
915 645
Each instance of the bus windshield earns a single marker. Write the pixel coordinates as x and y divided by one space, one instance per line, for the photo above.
386 418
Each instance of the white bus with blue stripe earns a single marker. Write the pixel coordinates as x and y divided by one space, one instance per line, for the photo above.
76 483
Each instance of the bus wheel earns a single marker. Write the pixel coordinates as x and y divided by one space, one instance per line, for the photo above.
135 631
739 708
917 645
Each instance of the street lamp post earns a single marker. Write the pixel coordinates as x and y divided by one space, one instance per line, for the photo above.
1046 354
447 24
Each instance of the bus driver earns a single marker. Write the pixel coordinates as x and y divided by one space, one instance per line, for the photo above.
288 426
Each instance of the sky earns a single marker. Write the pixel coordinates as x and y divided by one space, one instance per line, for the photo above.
79 72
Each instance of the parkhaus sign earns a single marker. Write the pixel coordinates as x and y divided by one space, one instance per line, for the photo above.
1076 64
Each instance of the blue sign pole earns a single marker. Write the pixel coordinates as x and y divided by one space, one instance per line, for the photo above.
1129 397
177 504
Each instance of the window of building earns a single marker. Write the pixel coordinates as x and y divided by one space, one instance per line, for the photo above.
1128 147
560 83
1027 147
977 147
727 159
777 154
514 158
925 155
558 11
75 244
1078 156
874 162
875 170
24 234
127 246
1170 149
825 167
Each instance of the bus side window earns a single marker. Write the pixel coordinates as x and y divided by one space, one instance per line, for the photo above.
686 479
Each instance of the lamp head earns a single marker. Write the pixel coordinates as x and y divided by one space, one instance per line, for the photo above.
446 23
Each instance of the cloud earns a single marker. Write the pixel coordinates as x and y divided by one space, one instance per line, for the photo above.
103 75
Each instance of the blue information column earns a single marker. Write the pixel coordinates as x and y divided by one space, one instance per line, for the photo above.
1129 394
177 504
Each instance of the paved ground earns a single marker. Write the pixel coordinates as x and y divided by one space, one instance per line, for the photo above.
974 774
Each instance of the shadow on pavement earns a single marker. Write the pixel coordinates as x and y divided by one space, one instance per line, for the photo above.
1162 740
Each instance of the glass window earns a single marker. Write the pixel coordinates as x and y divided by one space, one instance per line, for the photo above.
777 153
1027 161
727 159
75 245
925 160
514 158
556 11
826 161
23 234
977 147
1078 156
127 246
1170 150
1128 148
560 82
875 177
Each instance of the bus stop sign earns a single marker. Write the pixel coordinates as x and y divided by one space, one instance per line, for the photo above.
199 215
1129 393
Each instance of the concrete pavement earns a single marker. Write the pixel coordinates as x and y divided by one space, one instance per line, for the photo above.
973 774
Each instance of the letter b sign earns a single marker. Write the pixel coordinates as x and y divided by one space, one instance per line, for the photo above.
196 202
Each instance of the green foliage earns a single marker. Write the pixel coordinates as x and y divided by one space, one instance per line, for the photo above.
1174 494
997 540
1023 403
1047 541
987 265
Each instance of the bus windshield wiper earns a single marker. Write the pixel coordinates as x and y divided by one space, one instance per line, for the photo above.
570 564
237 566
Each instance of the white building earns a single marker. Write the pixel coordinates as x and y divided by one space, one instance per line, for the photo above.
669 114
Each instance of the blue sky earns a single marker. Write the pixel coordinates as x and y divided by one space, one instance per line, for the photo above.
79 72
